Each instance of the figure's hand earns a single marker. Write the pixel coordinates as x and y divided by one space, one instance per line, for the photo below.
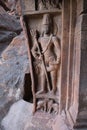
54 63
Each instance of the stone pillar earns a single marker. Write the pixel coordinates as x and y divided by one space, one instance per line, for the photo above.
72 111
82 110
64 51
77 103
71 53
74 61
67 53
70 64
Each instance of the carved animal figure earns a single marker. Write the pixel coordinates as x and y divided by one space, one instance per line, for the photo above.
41 105
55 108
52 107
49 106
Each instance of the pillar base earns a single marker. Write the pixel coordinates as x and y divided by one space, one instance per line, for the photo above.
81 121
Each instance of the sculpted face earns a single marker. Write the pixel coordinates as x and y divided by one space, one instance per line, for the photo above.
46 23
45 29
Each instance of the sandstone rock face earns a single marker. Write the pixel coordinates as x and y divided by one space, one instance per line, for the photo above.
4 4
20 117
14 64
23 119
9 26
60 123
6 36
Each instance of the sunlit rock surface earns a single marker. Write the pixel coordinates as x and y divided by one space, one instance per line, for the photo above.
14 64
20 117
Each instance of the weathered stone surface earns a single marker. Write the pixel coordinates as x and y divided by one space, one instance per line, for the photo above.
4 4
13 66
2 11
6 36
9 23
9 26
20 118
27 120
81 129
14 6
61 123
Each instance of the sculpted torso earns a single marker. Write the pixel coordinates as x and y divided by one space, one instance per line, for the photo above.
47 47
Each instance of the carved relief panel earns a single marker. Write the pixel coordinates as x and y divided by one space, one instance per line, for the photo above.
48 4
44 40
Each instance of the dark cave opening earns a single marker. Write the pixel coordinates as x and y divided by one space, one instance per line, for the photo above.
27 88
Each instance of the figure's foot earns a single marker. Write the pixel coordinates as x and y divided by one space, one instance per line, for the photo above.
40 92
52 92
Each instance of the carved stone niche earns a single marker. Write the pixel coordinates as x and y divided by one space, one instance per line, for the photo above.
43 29
55 39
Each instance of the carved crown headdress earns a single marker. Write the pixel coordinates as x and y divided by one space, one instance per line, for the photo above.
46 19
